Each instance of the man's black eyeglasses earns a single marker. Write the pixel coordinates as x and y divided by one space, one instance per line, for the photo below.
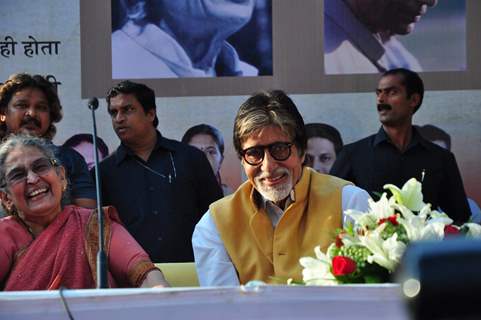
280 151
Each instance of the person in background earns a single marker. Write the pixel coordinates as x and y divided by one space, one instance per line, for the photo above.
161 187
284 209
210 141
324 142
46 245
180 38
441 138
436 135
29 104
83 143
398 152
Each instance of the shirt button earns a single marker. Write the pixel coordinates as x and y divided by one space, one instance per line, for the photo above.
159 239
151 188
156 212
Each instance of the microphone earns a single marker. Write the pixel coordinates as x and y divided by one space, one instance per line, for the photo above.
93 104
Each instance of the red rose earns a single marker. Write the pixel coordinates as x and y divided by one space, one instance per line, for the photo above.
450 230
392 219
342 266
339 242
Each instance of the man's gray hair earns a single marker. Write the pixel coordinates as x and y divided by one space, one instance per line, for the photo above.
269 108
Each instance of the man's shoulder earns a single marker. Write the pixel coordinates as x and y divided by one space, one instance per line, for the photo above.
110 160
327 179
67 153
360 145
111 157
189 153
180 146
432 147
438 152
174 145
71 160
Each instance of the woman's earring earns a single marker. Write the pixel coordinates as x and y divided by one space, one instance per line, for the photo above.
3 118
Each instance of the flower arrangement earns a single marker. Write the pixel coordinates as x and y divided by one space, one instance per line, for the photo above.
370 246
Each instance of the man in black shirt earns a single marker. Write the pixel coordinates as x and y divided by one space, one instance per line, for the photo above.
398 152
160 187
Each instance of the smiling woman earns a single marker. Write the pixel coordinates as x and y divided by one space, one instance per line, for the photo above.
45 245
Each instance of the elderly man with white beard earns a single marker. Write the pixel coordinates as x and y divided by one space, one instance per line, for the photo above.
284 209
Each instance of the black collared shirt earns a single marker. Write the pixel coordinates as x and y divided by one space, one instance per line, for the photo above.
80 181
374 161
161 200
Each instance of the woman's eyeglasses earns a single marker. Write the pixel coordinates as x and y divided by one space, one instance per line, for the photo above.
19 174
280 151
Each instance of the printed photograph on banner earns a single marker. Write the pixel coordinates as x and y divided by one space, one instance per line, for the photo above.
362 37
154 39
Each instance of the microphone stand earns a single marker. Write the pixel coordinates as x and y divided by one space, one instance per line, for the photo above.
93 104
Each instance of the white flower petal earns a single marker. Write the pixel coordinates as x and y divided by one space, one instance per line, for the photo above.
410 195
474 229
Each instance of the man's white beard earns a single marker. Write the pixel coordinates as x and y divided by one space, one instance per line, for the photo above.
275 193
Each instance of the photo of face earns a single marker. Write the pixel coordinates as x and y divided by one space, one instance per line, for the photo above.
207 144
230 13
191 38
394 16
373 36
86 149
320 154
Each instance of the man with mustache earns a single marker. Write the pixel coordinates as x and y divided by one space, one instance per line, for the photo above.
160 187
29 104
398 152
284 209
360 35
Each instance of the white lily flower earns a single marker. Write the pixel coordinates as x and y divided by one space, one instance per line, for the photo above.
474 229
317 271
361 219
412 223
405 212
426 211
394 248
386 253
418 228
413 226
382 208
440 217
410 195
433 231
321 255
349 240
